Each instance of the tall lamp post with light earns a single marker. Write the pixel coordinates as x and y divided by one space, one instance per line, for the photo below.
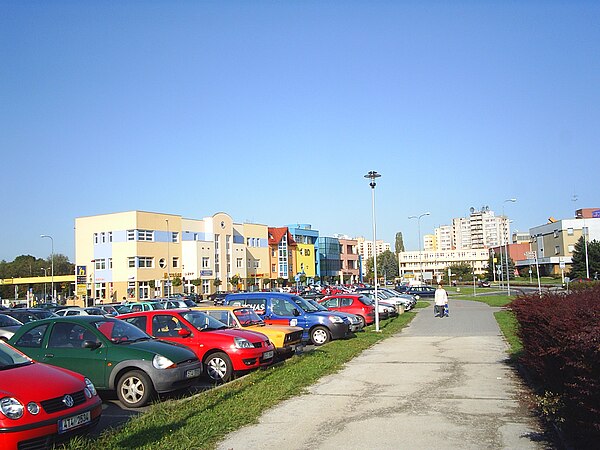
512 200
419 229
373 175
52 264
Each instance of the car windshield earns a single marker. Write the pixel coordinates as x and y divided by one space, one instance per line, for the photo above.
317 305
119 331
304 304
190 303
45 314
203 322
9 357
247 316
7 321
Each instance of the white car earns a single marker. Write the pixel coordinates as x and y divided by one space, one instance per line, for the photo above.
75 311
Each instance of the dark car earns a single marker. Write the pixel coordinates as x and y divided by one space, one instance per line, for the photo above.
484 283
218 298
421 291
26 315
113 354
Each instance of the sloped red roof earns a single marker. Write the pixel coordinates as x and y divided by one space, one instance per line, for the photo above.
275 235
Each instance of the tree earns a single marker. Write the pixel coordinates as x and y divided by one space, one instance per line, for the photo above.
216 283
578 267
387 266
460 272
399 247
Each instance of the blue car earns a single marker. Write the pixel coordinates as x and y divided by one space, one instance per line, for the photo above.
279 308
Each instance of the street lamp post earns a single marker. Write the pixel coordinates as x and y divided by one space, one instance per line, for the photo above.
52 265
373 175
419 228
512 200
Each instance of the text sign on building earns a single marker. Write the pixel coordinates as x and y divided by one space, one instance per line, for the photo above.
81 274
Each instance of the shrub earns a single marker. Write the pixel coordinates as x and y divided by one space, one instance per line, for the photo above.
561 349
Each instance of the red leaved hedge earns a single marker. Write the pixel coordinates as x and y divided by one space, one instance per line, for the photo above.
561 350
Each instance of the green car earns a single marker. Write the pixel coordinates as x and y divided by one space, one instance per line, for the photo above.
113 354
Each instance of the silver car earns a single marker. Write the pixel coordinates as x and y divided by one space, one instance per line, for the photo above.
8 326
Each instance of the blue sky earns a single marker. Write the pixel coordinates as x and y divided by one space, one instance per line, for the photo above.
274 111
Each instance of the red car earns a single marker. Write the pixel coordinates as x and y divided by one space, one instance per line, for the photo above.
356 304
223 350
42 405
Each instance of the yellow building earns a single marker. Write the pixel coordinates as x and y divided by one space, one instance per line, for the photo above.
142 255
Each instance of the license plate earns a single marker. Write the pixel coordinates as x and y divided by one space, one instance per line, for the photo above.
193 373
73 422
268 355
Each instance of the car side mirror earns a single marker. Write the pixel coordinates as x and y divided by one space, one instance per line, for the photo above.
184 333
296 313
93 345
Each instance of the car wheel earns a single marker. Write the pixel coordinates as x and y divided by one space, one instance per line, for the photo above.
218 367
363 322
135 389
320 335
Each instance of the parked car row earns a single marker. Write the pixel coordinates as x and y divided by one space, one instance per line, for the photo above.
147 352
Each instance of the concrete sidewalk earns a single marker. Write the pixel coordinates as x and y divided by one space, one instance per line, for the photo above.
442 383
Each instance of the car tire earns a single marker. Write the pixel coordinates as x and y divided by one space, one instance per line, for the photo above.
135 389
363 322
218 367
320 335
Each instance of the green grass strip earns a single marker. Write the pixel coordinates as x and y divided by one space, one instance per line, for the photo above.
204 419
510 326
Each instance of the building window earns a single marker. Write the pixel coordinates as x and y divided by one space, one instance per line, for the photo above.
103 237
571 248
145 235
175 237
555 233
239 263
570 231
110 236
110 263
145 262
205 262
144 289
175 262
556 249
131 235
131 261
95 238
273 268
205 286
100 264
131 289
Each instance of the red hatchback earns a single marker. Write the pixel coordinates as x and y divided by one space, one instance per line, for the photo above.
356 304
223 350
42 405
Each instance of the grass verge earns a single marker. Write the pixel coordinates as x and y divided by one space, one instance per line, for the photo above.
510 326
202 420
491 300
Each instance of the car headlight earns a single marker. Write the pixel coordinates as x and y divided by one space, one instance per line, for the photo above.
11 408
242 343
89 387
162 362
336 319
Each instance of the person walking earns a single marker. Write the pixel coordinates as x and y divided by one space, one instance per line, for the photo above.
441 302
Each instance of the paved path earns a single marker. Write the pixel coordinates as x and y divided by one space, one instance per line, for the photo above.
440 384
